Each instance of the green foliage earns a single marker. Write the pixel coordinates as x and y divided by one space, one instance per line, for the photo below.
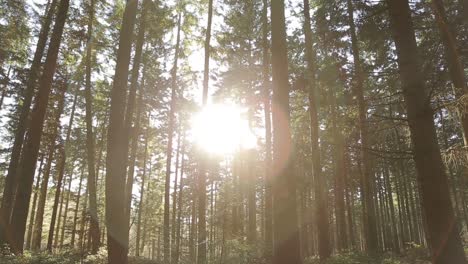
413 255
239 252
65 257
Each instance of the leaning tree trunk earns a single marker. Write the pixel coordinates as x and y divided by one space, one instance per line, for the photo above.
443 236
11 178
286 246
61 171
39 218
37 235
117 234
33 209
31 147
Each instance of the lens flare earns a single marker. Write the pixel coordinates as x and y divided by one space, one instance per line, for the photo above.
222 129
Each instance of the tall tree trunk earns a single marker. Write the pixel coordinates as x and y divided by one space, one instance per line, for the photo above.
117 234
61 171
174 199
33 209
349 198
193 230
319 180
267 113
90 144
179 204
84 213
37 232
142 197
342 236
443 236
370 228
170 134
130 119
65 214
13 166
201 190
285 223
389 188
77 208
37 235
59 217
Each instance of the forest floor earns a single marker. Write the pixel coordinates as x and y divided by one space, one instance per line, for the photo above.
413 256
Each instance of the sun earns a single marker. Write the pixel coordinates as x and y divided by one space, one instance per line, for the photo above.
222 129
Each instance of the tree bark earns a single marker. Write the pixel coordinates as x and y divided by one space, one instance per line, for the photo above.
90 144
142 197
170 134
33 209
201 190
61 171
117 234
443 236
179 206
77 207
13 166
65 214
36 242
319 180
286 247
267 113
174 199
31 147
37 232
130 119
370 228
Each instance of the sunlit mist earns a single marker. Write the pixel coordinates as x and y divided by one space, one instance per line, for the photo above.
222 129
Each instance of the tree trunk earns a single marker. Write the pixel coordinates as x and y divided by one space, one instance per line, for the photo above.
129 115
166 224
342 236
59 217
33 208
179 206
443 236
319 180
117 234
370 228
267 113
77 208
65 214
37 235
31 147
37 232
61 171
286 247
90 144
201 190
142 197
174 200
13 166
84 214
